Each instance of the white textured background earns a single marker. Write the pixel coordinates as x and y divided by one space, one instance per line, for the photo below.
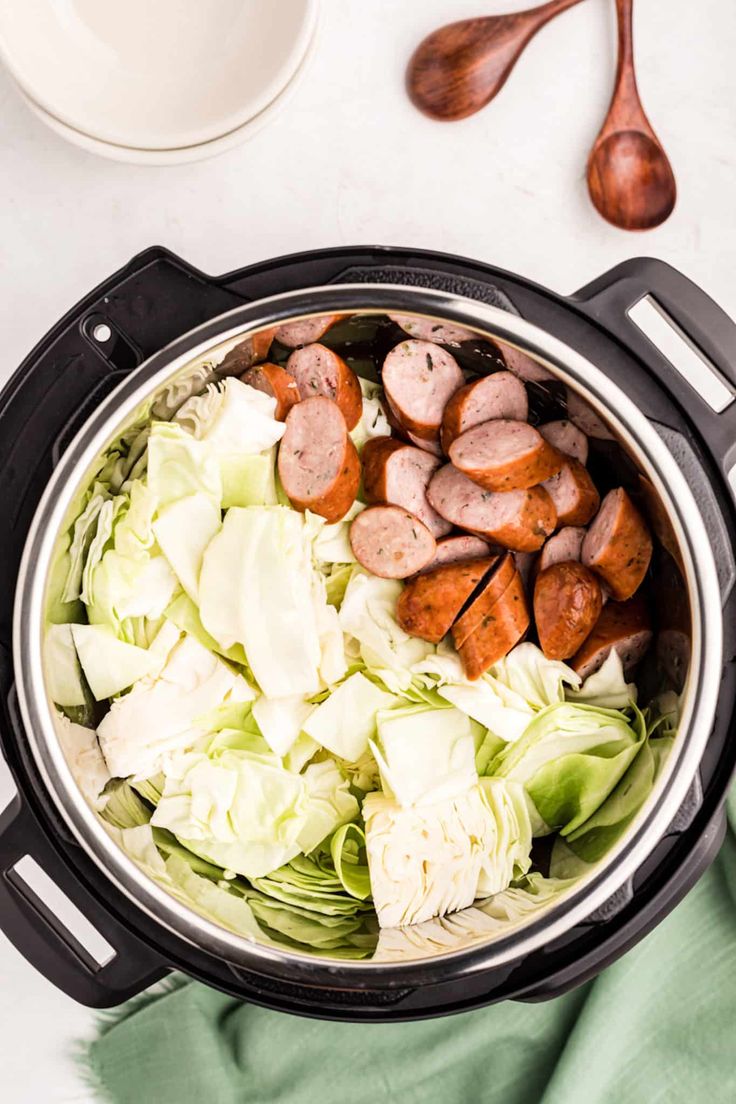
350 161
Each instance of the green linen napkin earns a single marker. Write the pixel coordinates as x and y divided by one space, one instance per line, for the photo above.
658 1025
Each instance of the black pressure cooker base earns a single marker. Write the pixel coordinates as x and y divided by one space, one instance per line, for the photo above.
153 300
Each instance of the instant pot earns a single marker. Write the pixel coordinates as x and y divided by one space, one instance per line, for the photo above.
147 331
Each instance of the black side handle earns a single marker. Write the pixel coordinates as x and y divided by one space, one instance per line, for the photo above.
30 922
701 321
42 937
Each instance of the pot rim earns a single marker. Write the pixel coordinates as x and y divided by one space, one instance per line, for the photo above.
641 440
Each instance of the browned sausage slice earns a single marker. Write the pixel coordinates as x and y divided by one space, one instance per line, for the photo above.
567 604
585 418
522 365
247 353
399 475
563 546
624 626
391 542
428 329
659 520
277 383
498 579
520 520
319 371
618 546
500 395
306 331
498 631
459 547
526 563
566 438
574 494
419 378
318 464
505 455
433 447
429 604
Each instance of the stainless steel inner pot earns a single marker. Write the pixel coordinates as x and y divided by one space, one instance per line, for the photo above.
162 383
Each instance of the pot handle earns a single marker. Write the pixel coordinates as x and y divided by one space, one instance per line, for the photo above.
697 319
100 963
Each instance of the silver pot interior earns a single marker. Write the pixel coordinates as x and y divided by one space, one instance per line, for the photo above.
623 450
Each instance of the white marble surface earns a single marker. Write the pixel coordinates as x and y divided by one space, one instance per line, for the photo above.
350 161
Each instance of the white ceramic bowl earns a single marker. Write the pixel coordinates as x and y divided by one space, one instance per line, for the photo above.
158 76
176 156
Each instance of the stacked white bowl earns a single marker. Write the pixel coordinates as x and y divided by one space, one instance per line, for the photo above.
156 81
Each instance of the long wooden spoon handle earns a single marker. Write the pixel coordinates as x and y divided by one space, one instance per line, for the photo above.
626 110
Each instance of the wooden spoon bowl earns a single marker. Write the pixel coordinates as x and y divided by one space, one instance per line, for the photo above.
630 179
630 182
458 69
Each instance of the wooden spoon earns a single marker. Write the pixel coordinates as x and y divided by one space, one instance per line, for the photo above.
630 179
458 69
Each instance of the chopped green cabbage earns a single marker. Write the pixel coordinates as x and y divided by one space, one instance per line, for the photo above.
159 714
607 686
508 848
425 860
346 720
597 835
281 720
183 530
348 851
256 589
84 759
569 759
368 616
425 755
179 466
110 665
61 666
538 681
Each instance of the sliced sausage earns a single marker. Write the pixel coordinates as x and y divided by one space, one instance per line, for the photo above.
566 438
567 603
563 546
277 383
585 418
399 475
500 395
505 455
526 563
498 631
247 353
391 542
306 331
520 520
574 494
429 604
457 548
419 378
618 546
624 626
497 580
432 447
427 329
660 521
318 463
522 365
319 371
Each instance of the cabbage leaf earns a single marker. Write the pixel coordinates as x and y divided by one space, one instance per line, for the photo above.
346 720
256 589
569 759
